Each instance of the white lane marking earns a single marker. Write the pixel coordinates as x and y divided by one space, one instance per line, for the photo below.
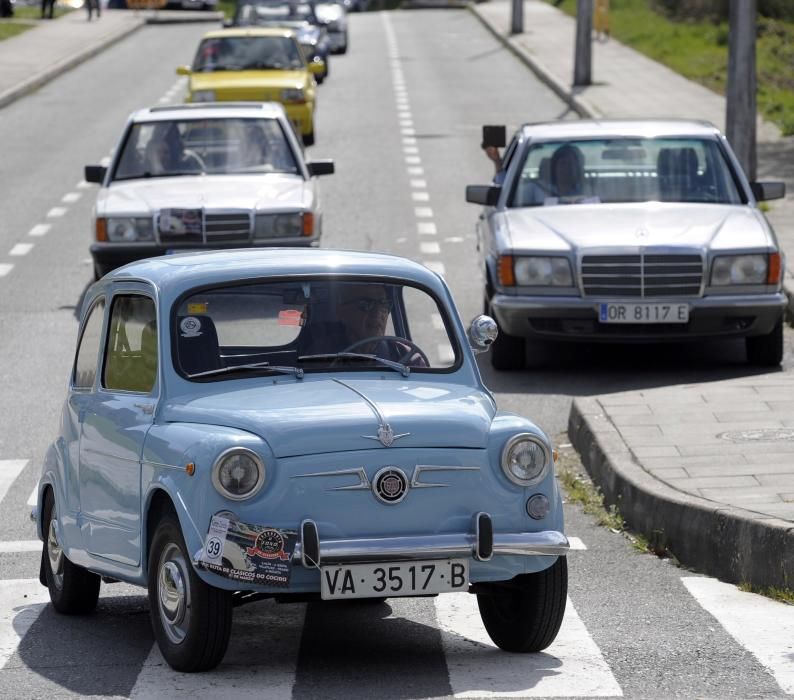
420 196
435 266
409 140
21 249
404 113
56 212
423 212
33 499
83 184
10 469
163 100
426 228
105 162
577 544
416 170
445 354
406 122
410 149
419 184
437 321
39 230
762 626
71 197
21 602
5 268
454 239
401 100
16 546
408 132
429 248
413 160
240 675
572 666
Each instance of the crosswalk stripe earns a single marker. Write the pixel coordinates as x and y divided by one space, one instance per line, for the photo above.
762 626
10 469
21 602
20 546
34 496
574 542
273 630
572 666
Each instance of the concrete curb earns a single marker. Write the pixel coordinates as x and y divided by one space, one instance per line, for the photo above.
193 18
66 64
564 92
728 543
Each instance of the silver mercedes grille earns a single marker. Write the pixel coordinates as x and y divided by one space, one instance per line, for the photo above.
642 275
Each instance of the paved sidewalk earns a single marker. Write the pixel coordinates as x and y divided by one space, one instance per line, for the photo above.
33 58
706 470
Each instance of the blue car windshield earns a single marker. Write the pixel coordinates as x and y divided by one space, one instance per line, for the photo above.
311 325
619 170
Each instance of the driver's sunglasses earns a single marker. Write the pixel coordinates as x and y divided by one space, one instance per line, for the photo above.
367 305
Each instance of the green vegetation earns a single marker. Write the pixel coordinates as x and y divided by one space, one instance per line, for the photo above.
697 47
25 17
784 595
227 7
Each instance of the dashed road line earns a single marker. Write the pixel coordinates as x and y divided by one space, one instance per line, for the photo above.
71 197
20 546
426 228
56 212
39 230
420 196
423 213
10 469
419 184
5 268
429 248
21 249
436 266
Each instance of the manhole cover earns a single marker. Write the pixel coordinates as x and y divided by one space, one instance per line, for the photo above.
760 435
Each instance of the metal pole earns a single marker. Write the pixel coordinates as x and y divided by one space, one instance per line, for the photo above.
517 17
740 117
582 63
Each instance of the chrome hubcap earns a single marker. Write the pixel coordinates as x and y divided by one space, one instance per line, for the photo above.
172 593
55 555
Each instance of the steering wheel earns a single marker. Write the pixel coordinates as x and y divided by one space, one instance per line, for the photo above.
196 161
413 348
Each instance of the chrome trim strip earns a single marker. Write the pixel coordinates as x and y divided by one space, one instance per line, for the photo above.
416 484
363 485
385 433
449 546
146 462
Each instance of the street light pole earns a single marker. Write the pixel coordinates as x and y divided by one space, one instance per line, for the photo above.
740 117
582 62
517 17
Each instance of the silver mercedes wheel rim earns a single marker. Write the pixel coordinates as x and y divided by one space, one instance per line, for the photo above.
55 555
173 597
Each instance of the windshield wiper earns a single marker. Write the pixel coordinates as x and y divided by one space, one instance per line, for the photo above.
297 371
405 370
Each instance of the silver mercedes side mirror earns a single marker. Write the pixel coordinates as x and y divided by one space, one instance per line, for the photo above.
482 333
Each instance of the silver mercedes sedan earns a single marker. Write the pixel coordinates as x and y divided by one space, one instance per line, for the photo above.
626 231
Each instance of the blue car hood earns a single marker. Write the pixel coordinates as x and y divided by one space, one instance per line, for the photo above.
325 415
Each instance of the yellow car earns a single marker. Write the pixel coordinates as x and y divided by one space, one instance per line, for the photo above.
255 65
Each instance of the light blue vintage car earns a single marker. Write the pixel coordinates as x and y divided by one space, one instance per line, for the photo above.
296 424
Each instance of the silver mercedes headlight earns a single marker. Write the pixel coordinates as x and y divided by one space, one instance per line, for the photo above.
739 269
238 474
525 459
542 272
278 226
203 96
129 229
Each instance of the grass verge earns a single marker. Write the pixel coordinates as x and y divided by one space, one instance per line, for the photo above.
698 50
25 17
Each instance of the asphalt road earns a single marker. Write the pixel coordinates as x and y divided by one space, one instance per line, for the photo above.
401 116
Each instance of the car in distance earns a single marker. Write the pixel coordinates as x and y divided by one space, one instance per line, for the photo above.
313 37
627 230
293 423
256 64
204 176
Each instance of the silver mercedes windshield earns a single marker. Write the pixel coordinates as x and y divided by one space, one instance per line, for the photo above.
592 171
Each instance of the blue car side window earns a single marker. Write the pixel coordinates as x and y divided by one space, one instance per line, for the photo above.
88 348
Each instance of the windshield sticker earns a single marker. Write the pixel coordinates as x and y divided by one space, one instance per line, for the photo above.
290 317
248 553
197 308
190 327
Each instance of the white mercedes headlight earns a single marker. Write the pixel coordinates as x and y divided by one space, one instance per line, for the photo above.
238 474
203 96
129 229
542 272
278 226
525 459
739 269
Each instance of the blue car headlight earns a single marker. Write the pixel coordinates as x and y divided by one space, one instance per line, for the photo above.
238 474
525 459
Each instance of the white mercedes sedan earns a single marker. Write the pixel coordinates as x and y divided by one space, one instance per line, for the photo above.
643 231
204 177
